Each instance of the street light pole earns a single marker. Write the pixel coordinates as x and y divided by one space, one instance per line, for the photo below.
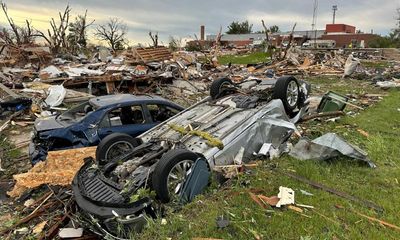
334 8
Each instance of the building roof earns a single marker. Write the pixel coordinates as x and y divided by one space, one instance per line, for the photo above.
238 37
261 36
307 33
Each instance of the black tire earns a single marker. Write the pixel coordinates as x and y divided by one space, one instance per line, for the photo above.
281 90
109 142
167 162
215 89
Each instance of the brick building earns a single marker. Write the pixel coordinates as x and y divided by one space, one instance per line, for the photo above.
345 36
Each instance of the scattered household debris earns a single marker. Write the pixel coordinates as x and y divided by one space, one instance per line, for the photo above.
70 232
286 196
332 102
333 191
34 83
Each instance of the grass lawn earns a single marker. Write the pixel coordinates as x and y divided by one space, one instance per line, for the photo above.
250 58
249 221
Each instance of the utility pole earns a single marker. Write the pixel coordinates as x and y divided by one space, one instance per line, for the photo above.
314 22
334 8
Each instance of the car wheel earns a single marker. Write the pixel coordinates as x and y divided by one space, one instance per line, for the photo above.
171 172
115 145
218 86
287 89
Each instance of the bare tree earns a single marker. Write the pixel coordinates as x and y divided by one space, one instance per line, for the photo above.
113 32
56 36
77 36
290 40
20 35
267 41
154 38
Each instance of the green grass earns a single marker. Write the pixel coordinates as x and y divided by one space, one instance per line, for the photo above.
249 221
7 153
376 64
250 58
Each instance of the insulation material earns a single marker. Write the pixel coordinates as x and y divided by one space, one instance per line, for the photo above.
59 169
50 72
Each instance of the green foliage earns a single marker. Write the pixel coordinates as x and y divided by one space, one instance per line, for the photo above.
193 46
174 43
77 36
382 42
274 29
142 193
240 27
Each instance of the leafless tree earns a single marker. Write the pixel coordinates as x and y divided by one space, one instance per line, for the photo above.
56 36
18 35
154 38
290 40
267 40
113 32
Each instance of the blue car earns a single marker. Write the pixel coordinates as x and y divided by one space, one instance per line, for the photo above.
88 123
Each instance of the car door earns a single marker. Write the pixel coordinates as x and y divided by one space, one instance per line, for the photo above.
129 119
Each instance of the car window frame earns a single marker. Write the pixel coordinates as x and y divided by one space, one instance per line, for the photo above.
106 114
159 103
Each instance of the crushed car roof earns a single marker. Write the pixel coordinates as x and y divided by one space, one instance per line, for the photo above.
122 98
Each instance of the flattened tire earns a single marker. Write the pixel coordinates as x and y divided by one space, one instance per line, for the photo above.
216 87
103 149
287 89
163 169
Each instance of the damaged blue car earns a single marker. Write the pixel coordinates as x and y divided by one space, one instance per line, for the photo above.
88 123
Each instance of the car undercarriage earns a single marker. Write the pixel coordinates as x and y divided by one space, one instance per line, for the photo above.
233 123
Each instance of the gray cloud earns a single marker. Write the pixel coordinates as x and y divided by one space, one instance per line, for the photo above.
183 17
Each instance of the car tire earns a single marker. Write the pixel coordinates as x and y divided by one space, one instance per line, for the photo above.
216 87
112 141
168 162
285 86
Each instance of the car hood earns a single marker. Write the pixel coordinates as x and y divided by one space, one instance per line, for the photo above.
49 123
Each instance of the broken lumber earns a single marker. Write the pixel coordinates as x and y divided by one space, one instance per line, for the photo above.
334 191
384 223
323 114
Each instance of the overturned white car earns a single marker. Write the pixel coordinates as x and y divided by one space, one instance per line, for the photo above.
237 119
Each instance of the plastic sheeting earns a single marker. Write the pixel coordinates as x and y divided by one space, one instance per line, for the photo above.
328 146
56 95
351 65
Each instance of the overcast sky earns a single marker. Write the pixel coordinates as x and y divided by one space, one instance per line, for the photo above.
183 17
